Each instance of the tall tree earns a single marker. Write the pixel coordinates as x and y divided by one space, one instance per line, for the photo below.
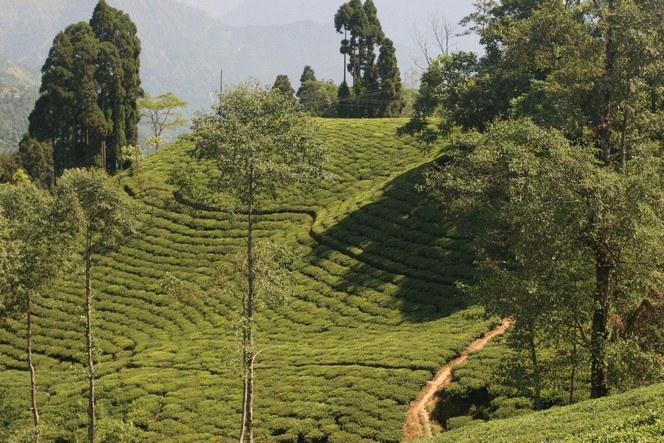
261 144
590 70
66 114
366 37
39 234
103 215
390 101
537 206
120 91
90 84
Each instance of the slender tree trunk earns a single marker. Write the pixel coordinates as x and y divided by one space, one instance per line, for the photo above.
537 376
573 375
248 333
250 325
606 118
598 373
103 155
31 367
345 55
91 367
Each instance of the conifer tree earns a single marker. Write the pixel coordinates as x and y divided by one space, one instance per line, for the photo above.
366 37
90 85
120 90
308 74
282 84
390 103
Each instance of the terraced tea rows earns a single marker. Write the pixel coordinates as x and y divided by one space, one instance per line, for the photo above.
373 315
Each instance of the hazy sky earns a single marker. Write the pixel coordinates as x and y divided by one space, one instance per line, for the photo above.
398 17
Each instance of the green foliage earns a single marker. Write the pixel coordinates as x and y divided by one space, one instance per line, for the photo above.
283 85
37 159
376 83
318 98
538 207
102 212
90 84
161 114
259 141
8 168
37 235
630 417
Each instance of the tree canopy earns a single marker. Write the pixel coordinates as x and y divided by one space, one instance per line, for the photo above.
376 83
579 204
87 107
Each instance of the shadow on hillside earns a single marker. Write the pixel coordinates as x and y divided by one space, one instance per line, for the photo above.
403 245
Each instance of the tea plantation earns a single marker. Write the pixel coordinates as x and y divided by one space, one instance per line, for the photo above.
636 416
374 311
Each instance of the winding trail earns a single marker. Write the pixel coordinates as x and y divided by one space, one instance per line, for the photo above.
418 421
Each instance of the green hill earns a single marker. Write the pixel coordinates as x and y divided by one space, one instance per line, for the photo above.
373 315
636 416
18 92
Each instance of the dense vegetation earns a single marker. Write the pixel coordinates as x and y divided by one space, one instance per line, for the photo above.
561 179
87 107
546 208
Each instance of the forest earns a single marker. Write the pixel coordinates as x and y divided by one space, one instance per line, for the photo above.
478 260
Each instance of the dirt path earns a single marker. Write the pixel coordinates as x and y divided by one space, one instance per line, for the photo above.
418 422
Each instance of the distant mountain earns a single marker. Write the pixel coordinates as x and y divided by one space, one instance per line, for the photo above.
184 48
18 92
398 17
186 43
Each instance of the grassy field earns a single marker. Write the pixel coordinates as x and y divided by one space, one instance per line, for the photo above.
636 416
373 315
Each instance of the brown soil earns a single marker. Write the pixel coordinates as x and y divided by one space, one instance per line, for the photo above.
418 422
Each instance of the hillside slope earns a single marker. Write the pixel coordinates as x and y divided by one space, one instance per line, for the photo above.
18 92
373 315
637 415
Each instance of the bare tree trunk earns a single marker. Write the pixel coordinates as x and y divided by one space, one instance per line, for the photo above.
249 354
91 368
536 368
31 367
250 326
573 375
598 373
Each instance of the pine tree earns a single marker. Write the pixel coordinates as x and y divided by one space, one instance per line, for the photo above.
366 38
308 74
120 89
390 101
282 84
90 86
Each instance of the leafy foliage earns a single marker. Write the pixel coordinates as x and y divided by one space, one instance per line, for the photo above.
90 85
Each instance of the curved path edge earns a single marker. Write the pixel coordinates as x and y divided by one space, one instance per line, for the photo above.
418 421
